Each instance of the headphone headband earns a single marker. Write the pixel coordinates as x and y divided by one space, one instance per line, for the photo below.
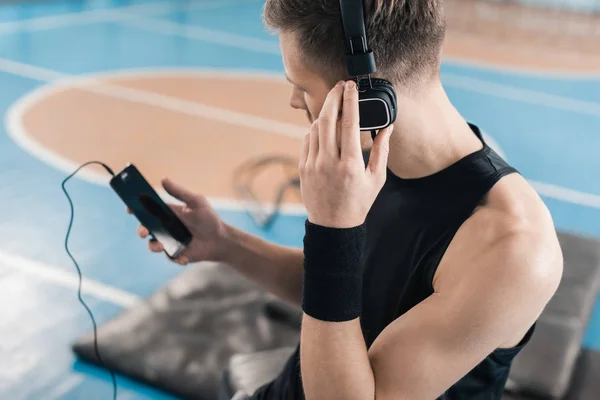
360 58
377 98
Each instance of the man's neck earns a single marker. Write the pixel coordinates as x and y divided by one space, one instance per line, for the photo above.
429 136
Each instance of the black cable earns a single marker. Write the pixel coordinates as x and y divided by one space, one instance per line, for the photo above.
245 174
110 171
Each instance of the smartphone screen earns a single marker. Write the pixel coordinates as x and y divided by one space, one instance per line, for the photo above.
151 211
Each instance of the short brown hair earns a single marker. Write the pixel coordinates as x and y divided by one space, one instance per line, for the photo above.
406 36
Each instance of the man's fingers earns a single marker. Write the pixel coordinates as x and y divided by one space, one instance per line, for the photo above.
350 123
178 209
379 154
328 120
182 260
142 232
155 246
313 147
304 151
179 192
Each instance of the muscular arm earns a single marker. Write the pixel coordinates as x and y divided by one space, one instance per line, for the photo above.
489 290
277 268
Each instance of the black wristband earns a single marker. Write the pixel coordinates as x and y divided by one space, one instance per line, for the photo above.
333 269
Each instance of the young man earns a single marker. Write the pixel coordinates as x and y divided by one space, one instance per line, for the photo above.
424 270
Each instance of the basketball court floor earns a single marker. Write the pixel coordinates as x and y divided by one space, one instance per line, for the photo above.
192 90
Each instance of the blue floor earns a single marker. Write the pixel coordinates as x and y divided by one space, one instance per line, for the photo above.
548 128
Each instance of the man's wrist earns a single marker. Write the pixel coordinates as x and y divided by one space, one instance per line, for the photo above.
333 268
226 244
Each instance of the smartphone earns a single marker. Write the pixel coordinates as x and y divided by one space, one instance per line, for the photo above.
151 211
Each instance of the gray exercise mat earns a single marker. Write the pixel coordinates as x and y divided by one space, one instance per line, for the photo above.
546 365
181 339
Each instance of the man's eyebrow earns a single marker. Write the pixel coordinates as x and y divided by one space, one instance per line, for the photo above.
292 82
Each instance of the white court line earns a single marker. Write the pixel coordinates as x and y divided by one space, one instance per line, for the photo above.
17 132
70 280
226 204
30 71
72 381
59 81
521 95
66 279
525 72
125 16
117 14
566 195
93 84
134 16
196 32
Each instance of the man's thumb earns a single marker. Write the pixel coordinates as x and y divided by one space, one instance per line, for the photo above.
380 151
179 192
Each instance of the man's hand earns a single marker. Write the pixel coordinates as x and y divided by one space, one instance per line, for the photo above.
201 219
337 189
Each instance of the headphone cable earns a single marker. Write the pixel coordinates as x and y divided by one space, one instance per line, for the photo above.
96 350
246 173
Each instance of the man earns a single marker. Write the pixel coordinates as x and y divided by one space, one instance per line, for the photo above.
425 268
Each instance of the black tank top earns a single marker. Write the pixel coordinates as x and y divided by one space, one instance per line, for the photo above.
409 227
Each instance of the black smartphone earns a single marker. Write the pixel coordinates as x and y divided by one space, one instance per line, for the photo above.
151 211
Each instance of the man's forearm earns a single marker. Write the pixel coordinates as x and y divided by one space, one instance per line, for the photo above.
334 359
279 269
333 354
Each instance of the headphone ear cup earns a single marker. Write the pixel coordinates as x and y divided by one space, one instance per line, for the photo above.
382 84
385 86
378 107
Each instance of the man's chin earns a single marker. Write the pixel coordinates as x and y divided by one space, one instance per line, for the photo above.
366 142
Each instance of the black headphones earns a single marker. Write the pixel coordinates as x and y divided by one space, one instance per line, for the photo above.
377 97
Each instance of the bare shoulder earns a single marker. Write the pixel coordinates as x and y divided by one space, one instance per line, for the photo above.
514 224
509 243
